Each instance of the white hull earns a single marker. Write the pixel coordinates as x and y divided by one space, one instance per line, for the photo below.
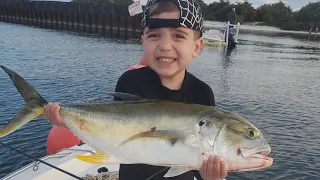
64 159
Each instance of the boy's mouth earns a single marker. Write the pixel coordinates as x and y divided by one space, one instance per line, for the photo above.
165 60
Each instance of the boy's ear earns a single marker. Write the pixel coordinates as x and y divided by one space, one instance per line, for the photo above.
198 47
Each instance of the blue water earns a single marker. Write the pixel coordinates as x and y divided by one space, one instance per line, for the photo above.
273 82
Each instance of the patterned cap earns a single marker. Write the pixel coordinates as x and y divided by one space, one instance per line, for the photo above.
190 14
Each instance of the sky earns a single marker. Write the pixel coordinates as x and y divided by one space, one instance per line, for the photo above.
294 4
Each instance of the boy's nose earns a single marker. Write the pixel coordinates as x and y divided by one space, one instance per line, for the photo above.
165 45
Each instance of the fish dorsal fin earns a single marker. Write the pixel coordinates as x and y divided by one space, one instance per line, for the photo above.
98 158
125 96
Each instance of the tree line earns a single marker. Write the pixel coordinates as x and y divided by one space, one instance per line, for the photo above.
276 14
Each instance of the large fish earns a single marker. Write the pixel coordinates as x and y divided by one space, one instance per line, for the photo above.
161 133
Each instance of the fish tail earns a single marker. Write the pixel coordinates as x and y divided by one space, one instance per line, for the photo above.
33 107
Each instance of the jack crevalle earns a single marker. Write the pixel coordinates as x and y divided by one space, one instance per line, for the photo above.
161 133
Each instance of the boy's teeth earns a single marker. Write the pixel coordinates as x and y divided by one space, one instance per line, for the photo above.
166 59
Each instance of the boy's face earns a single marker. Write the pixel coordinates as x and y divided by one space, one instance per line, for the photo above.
167 50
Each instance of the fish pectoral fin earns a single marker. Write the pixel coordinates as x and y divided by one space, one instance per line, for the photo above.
170 136
125 96
98 158
176 171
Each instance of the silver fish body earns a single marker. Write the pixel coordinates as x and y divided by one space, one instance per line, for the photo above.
154 132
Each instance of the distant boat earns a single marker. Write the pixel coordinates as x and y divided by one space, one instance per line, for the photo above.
227 37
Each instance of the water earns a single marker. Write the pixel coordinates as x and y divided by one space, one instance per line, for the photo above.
274 82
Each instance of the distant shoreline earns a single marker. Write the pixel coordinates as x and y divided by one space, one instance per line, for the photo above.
253 26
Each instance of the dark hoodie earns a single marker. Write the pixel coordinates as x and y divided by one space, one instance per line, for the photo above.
146 83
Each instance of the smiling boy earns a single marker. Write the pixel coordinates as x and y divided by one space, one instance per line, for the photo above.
172 37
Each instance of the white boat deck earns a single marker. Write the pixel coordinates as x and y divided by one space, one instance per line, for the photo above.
64 159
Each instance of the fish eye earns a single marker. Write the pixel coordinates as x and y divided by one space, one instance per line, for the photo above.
201 123
206 123
251 133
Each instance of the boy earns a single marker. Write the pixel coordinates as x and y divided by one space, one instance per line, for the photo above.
172 36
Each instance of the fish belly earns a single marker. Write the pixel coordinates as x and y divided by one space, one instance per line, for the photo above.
159 152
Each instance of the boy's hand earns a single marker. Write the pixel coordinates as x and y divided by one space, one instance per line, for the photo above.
213 169
51 112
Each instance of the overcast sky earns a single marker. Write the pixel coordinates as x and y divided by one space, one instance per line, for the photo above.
294 4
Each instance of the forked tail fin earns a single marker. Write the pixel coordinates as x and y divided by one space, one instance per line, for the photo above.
33 107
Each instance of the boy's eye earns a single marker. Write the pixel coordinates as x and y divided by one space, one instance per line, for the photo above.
152 35
179 36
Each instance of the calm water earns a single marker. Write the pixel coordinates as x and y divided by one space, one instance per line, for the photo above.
274 82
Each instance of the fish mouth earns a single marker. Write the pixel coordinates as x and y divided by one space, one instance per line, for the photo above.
251 153
260 154
265 161
256 160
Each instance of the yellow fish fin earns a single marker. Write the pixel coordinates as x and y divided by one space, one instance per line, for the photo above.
98 158
171 136
34 103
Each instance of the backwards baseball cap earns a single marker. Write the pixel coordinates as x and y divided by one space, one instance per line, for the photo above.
190 16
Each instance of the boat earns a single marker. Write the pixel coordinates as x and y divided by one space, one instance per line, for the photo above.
219 37
65 159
